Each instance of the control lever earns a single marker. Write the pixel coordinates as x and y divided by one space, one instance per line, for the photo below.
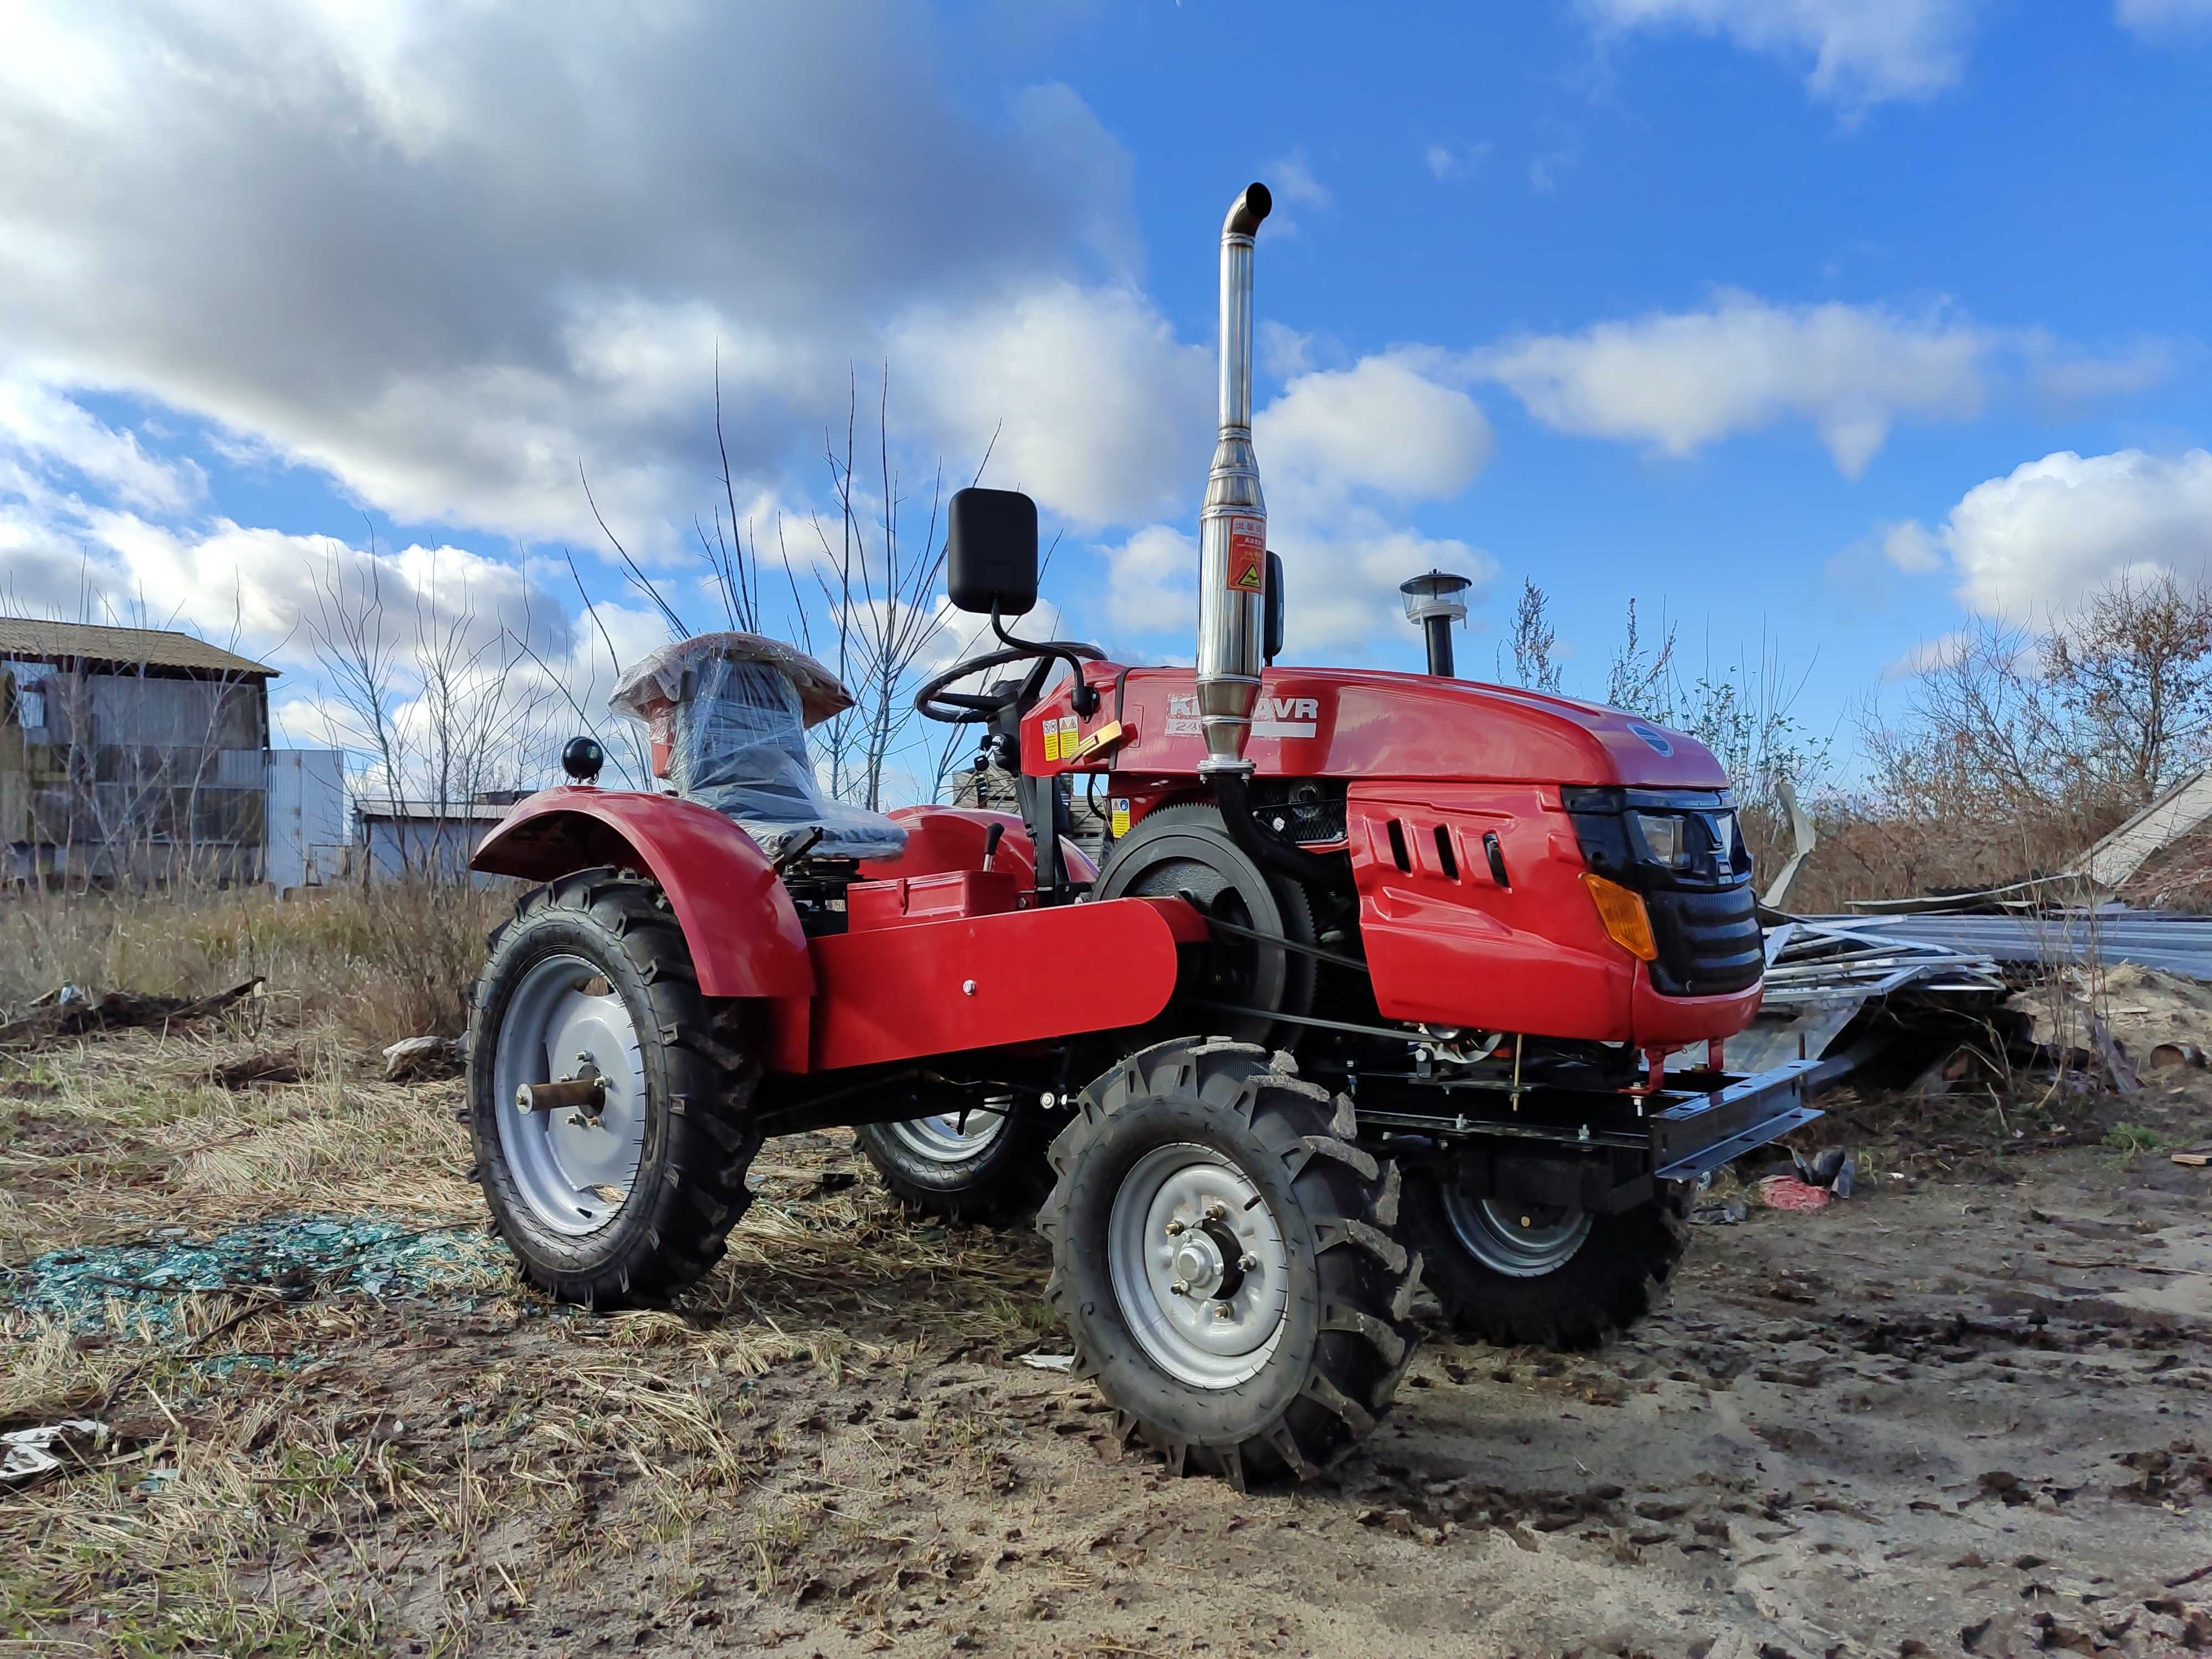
991 837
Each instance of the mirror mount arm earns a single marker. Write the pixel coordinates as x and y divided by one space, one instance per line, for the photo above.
1086 696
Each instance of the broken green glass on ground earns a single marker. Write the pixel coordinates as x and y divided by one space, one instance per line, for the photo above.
298 1258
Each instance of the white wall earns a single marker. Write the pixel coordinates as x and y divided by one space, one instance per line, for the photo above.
307 817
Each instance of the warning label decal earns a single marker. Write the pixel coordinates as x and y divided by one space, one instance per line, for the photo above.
1247 556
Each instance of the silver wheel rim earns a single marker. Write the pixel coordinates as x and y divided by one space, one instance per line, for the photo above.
951 1137
574 1174
1186 1215
1525 1241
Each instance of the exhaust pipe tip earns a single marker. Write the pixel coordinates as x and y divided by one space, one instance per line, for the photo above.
1246 212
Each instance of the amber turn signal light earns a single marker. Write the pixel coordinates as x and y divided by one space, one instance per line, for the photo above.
1626 921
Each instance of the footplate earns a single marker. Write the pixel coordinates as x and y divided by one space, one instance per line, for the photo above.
1698 1134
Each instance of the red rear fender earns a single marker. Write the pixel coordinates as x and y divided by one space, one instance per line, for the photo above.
745 934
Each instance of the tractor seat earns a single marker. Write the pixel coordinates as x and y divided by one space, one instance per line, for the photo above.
737 707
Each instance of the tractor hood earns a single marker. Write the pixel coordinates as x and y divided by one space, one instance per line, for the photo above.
1364 723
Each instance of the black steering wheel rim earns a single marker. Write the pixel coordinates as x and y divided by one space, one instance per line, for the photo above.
933 702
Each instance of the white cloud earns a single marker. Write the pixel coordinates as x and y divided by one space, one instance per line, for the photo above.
1454 163
45 433
2161 20
1343 454
1101 413
1153 582
1862 52
1681 381
487 244
1291 178
1379 425
2066 376
1283 351
2038 540
1911 548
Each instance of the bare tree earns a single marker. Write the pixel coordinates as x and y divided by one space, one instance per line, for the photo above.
434 697
1535 640
2133 671
865 602
1640 677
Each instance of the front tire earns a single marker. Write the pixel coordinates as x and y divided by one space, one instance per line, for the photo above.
1223 1255
984 1164
631 1202
1519 1274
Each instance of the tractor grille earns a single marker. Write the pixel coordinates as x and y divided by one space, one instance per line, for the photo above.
1709 942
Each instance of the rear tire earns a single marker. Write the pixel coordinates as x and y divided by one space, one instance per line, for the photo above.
1199 1163
635 1206
993 1171
1534 1290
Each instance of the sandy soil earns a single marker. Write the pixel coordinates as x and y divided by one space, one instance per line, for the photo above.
1967 1413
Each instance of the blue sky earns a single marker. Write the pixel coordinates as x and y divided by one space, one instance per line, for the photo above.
1832 323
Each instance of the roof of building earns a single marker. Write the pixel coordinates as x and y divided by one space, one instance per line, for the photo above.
383 808
43 641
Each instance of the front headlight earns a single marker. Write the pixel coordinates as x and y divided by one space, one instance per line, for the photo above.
1666 838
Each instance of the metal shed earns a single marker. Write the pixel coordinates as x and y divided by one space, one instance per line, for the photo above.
129 754
424 838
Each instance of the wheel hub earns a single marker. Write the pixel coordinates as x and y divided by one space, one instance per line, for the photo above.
1199 1265
1523 1241
954 1137
574 1168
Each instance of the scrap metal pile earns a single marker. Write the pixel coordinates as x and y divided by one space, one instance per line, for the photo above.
1908 984
1903 993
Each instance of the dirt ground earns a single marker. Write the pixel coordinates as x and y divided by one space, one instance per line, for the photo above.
1968 1412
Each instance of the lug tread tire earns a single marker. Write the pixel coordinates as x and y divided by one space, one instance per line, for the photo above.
1004 1185
1620 1277
1276 1423
701 1135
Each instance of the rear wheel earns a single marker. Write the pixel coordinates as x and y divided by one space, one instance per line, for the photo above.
1529 1273
1223 1257
981 1162
628 1197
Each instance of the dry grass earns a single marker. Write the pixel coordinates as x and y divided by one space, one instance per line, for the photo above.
314 1477
381 963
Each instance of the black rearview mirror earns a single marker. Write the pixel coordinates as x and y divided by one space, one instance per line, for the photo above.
991 552
1271 629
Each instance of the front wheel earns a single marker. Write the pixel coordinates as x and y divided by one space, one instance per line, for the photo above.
625 1190
984 1162
1223 1257
1515 1274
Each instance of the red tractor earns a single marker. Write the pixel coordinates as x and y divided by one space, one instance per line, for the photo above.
1371 982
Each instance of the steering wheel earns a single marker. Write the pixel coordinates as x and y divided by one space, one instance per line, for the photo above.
933 702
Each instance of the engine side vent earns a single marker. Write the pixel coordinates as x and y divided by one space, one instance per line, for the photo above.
1447 860
1403 859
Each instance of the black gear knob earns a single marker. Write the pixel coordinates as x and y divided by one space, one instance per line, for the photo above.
582 759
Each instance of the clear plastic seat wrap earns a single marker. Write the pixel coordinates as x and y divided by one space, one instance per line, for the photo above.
729 715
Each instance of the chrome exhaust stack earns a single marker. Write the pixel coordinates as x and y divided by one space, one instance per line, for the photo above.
1232 526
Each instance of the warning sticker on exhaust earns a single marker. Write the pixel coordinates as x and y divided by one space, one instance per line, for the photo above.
1247 556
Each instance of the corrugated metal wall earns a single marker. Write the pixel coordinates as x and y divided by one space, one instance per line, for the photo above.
137 777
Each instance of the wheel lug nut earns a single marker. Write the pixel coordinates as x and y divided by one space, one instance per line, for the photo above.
1221 1310
1181 1287
1246 1262
1178 1227
1217 1211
